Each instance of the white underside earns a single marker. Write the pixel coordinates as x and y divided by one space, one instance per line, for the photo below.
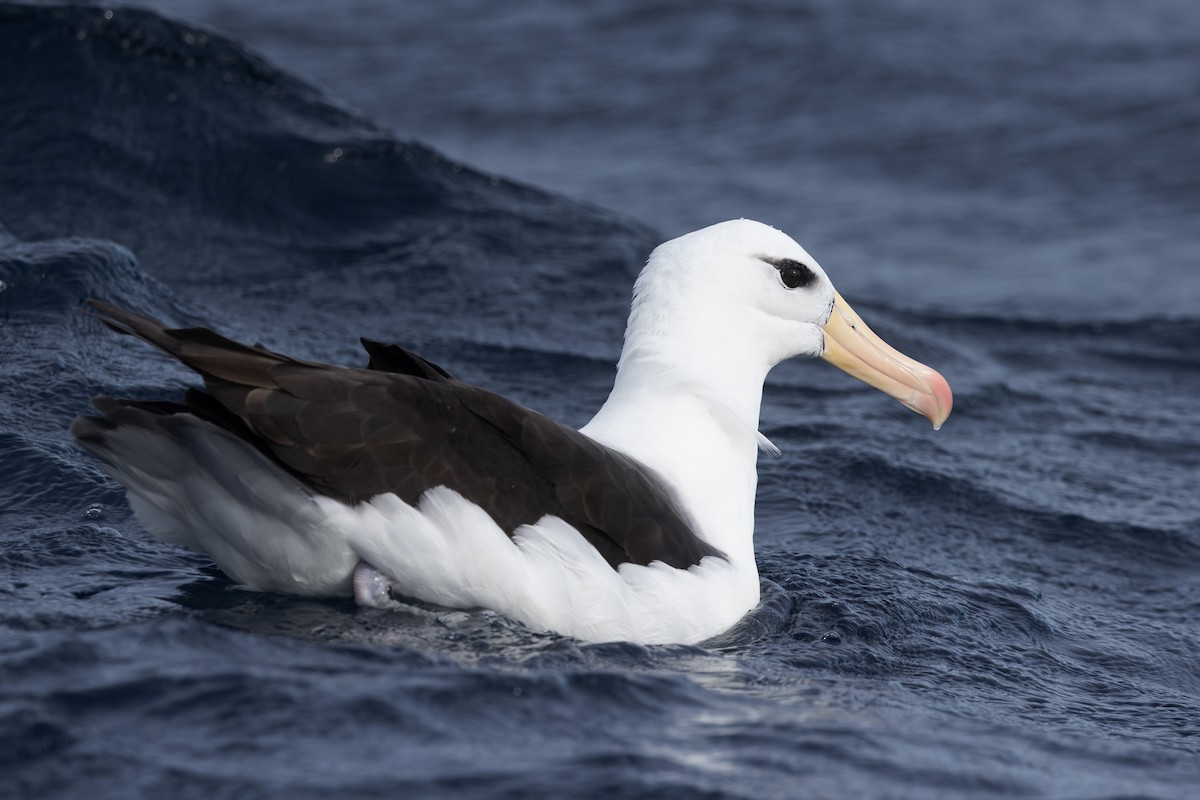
447 550
213 493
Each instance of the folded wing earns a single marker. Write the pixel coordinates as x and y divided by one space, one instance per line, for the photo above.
405 425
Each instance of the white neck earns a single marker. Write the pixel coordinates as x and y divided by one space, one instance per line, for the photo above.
697 433
689 387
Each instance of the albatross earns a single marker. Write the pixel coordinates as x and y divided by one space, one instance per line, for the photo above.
399 481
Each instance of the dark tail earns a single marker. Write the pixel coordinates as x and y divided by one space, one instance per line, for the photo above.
208 353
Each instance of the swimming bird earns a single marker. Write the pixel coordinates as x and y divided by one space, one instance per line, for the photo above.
400 481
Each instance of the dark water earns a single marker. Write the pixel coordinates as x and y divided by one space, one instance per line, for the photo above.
1007 608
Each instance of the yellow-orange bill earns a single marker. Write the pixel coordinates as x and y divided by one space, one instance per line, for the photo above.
854 348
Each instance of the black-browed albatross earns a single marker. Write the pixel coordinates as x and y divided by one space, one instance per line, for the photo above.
400 481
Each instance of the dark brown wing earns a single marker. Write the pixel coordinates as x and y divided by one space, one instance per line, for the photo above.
394 358
407 426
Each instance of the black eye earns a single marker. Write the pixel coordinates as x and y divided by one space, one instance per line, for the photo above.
793 274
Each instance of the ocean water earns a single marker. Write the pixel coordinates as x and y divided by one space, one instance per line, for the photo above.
1009 607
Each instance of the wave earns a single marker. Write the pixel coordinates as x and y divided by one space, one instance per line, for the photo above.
41 281
205 160
895 493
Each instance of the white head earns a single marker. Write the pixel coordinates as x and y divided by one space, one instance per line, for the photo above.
721 293
736 298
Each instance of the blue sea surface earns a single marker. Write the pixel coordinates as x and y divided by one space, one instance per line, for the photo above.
1009 192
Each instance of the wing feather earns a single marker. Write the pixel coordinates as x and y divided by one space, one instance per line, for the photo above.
405 426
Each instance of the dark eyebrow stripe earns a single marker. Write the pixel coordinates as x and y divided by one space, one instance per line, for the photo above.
781 263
